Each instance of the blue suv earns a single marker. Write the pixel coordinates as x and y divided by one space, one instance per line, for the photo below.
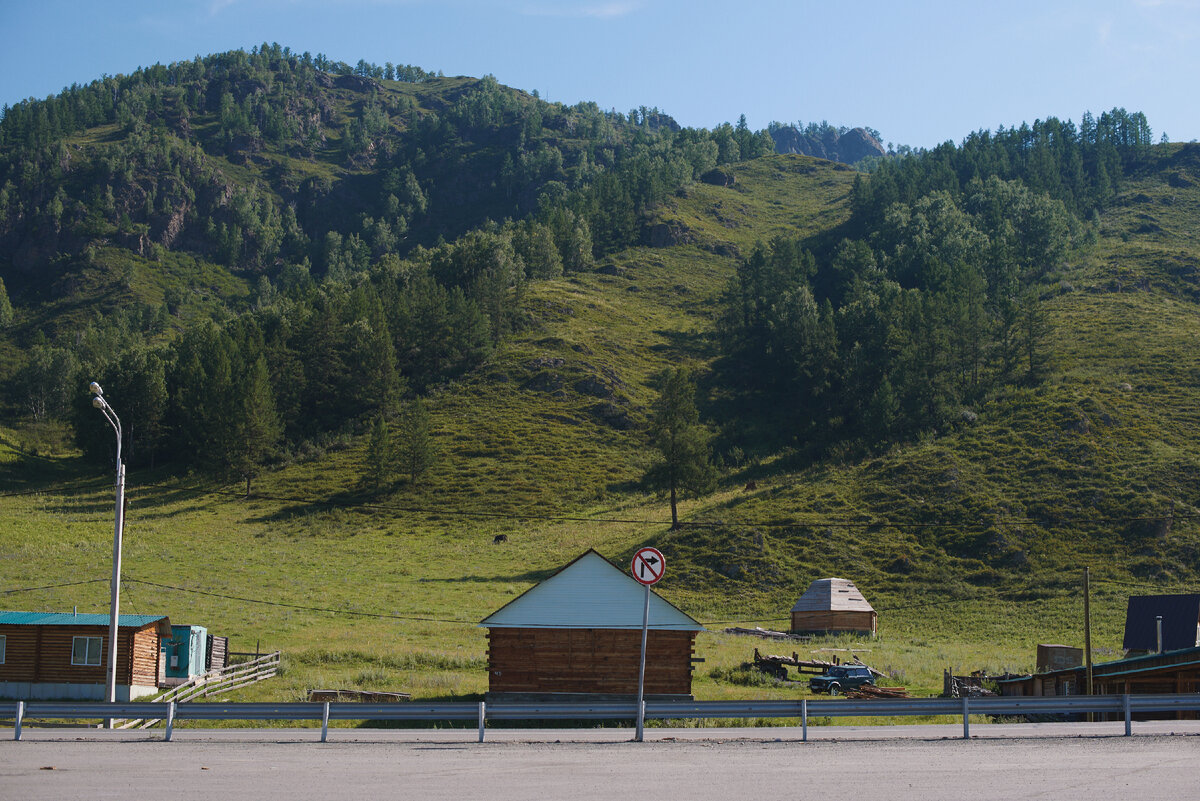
837 680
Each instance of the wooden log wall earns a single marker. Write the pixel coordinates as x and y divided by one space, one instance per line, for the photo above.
833 621
588 661
43 654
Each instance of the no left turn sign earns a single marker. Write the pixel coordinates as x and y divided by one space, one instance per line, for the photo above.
648 564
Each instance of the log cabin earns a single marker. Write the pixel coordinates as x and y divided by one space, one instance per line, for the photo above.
63 656
577 636
833 605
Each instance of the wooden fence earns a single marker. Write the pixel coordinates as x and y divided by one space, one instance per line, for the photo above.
229 678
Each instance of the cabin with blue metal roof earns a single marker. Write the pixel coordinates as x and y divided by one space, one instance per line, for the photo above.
63 656
578 634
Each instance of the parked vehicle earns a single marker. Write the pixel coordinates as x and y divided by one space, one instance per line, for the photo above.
836 680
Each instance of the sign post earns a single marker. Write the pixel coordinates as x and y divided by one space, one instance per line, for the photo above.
647 568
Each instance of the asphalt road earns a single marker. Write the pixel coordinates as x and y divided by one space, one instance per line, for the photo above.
914 762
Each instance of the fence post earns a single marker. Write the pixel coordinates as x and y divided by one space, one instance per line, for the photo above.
966 701
1128 716
325 722
170 721
804 719
19 719
482 712
641 715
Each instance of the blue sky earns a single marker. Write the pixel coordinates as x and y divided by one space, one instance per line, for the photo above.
920 73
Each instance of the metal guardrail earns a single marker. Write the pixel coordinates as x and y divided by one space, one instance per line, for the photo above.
804 709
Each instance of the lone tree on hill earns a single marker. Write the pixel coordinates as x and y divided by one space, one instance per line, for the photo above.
415 450
683 442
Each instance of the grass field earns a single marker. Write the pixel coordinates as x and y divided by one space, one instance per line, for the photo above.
974 555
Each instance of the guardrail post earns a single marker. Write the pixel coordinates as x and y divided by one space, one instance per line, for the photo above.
966 705
1128 716
641 719
19 719
482 712
804 719
325 722
170 721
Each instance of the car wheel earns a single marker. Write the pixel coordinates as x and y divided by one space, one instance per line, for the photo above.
835 689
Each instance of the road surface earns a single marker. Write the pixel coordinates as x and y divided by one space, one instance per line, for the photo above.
1045 761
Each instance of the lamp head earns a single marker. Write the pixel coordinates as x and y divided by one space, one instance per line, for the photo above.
98 402
95 389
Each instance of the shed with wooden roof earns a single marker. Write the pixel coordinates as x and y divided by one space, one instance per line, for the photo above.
578 634
53 655
832 605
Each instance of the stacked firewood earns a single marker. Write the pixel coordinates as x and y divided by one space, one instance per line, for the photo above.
871 691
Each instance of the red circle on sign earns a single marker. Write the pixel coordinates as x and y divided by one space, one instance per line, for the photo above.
648 564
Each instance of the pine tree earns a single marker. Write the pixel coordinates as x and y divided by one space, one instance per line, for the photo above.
415 449
381 453
681 440
257 430
6 309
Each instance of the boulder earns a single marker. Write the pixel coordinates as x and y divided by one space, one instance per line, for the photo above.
848 148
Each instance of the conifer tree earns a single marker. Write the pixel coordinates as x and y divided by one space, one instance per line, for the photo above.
415 449
381 453
258 429
6 309
681 440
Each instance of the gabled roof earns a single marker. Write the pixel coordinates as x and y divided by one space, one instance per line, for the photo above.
1180 614
832 595
589 593
86 619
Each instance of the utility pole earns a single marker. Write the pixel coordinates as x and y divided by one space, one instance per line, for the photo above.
110 693
1087 627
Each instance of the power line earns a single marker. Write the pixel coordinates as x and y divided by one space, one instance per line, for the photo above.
93 485
295 606
51 586
778 524
831 523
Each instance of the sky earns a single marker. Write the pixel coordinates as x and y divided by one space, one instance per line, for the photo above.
920 73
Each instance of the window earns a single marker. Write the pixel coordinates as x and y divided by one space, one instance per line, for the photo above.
3 640
85 651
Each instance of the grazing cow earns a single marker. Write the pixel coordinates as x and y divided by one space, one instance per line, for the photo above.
499 538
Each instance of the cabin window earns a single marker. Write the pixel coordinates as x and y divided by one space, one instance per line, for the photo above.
3 642
85 651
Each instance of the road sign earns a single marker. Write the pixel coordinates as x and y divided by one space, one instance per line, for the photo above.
648 565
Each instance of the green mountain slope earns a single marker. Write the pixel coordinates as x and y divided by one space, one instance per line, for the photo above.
969 539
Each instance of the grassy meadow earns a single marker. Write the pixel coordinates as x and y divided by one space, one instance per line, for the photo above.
971 545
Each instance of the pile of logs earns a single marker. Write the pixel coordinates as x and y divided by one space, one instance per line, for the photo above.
362 696
767 634
871 691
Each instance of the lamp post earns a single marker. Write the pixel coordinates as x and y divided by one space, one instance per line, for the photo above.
101 404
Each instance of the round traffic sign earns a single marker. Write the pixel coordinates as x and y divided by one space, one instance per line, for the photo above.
648 564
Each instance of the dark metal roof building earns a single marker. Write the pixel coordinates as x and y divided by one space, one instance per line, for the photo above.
1180 622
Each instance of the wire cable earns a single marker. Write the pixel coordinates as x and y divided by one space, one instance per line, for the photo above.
296 606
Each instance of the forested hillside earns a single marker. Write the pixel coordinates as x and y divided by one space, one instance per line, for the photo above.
356 235
357 320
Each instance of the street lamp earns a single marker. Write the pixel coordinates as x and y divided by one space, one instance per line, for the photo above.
101 404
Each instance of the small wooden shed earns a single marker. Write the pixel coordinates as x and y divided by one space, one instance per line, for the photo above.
832 605
577 635
52 655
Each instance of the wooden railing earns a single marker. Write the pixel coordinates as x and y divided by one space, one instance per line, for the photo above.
228 678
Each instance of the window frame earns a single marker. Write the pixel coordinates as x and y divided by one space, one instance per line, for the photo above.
87 651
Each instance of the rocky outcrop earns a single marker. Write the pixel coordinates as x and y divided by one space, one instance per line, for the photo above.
849 148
